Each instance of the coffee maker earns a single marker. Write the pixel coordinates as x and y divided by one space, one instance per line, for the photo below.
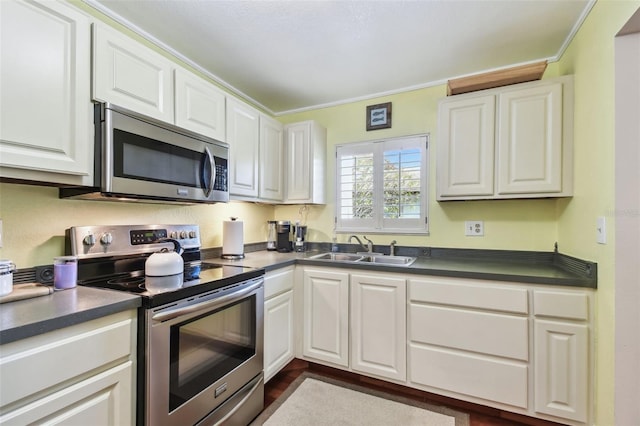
283 237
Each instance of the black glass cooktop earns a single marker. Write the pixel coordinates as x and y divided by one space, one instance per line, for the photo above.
198 277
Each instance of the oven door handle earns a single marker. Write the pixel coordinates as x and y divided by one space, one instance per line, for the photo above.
209 304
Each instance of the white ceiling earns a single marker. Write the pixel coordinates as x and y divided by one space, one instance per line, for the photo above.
293 55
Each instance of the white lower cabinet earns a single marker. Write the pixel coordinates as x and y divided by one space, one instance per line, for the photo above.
470 346
82 374
378 325
326 316
518 347
278 321
356 321
561 354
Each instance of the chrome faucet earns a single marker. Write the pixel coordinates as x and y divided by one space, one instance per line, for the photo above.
369 247
392 248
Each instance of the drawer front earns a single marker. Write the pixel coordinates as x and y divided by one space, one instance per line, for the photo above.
278 281
482 332
48 360
561 304
491 379
450 292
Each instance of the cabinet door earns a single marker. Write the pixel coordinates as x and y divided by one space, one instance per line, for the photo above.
530 140
299 170
199 105
46 132
105 398
326 316
131 75
561 369
243 138
271 159
278 333
466 149
378 325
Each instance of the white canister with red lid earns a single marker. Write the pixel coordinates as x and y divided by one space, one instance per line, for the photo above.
6 276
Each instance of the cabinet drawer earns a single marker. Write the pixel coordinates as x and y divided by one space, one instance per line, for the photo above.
482 332
559 304
490 379
42 362
277 282
450 292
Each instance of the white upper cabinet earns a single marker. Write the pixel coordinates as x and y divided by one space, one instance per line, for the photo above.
243 129
510 142
306 152
465 159
271 184
46 115
199 105
131 75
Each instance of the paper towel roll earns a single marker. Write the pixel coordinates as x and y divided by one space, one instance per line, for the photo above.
232 239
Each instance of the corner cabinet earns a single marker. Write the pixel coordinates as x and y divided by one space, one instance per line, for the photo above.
510 142
306 157
82 374
46 133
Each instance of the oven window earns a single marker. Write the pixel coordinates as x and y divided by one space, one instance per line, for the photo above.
208 347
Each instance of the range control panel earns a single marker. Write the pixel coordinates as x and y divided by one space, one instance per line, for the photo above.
121 240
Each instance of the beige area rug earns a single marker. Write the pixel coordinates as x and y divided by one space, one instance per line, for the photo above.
315 400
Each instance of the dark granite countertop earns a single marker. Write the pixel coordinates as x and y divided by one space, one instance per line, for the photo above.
547 268
30 317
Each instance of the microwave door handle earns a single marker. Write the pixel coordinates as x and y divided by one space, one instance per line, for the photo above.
208 170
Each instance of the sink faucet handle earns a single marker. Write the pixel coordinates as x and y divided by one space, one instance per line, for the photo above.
369 244
392 248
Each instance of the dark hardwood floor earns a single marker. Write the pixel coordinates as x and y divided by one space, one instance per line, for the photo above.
478 415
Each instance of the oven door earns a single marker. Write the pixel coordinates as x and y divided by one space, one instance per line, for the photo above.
156 160
202 351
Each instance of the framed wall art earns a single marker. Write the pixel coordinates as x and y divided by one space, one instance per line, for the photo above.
379 116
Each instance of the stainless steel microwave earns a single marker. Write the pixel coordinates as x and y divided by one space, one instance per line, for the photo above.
139 158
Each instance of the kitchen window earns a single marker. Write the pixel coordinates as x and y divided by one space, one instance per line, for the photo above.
381 186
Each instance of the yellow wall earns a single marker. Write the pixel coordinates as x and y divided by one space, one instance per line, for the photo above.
508 224
35 219
590 58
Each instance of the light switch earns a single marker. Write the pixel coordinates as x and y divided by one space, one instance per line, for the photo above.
601 228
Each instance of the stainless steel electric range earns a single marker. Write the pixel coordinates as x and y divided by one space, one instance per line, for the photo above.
200 341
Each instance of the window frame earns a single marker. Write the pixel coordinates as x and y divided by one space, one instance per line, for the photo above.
378 224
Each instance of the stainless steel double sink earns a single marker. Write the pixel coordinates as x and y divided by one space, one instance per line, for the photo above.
375 258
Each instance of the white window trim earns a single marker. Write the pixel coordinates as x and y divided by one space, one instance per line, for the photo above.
379 225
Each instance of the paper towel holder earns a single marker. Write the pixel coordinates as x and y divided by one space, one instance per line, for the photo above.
225 243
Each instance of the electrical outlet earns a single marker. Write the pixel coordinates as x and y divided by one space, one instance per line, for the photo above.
474 228
601 230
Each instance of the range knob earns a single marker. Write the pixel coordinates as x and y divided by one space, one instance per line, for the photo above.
173 235
183 234
89 240
192 234
106 238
